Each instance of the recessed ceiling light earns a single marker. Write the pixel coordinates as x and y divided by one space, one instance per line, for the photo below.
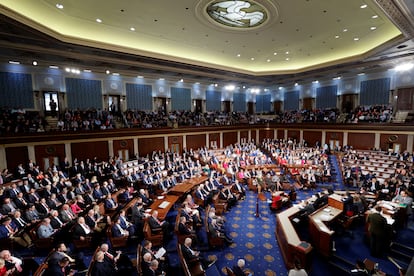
356 38
268 60
215 85
337 78
361 74
274 53
87 70
287 52
280 87
374 16
287 58
238 55
296 84
34 62
115 74
337 36
373 28
197 83
59 6
252 58
230 87
181 80
345 30
53 67
67 69
161 79
363 6
315 81
14 62
132 29
140 77
107 72
98 20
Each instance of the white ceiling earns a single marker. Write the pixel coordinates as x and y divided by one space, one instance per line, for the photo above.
300 35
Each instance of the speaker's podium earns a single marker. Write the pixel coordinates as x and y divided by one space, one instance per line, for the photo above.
291 247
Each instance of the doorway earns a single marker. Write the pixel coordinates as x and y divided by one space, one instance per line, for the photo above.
250 108
226 106
114 104
51 103
198 106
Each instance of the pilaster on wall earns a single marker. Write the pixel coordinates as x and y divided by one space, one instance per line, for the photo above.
286 135
410 140
323 142
136 149
207 140
111 148
165 143
184 141
238 136
249 135
3 160
377 143
31 153
300 136
275 134
68 152
345 139
221 140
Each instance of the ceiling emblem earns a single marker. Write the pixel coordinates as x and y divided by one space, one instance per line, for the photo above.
237 14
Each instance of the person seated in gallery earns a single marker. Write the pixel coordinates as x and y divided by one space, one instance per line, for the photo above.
279 200
217 230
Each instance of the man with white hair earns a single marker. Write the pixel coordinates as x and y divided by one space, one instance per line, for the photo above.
239 270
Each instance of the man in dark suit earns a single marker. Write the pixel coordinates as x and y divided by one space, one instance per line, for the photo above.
379 232
81 231
192 255
238 269
155 224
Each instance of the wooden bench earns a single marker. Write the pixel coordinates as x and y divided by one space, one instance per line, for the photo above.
155 238
192 268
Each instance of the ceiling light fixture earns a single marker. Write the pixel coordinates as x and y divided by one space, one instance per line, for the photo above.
215 85
373 28
107 72
34 62
345 30
230 87
53 67
361 74
374 16
14 62
181 80
337 36
296 84
363 6
287 53
140 77
87 70
98 20
356 38
337 78
161 79
132 29
404 67
115 74
287 59
315 81
274 53
252 58
59 6
280 87
268 60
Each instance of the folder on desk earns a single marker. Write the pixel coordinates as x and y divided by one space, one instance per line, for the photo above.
163 205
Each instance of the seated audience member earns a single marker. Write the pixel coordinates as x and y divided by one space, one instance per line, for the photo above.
239 268
297 269
66 214
110 204
118 231
52 202
75 206
32 214
19 221
20 202
8 231
45 230
191 255
61 252
59 268
156 224
92 222
403 198
163 261
20 267
8 207
118 260
145 197
81 230
125 224
217 230
55 221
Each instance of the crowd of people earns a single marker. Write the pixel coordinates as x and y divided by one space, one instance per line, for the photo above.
18 120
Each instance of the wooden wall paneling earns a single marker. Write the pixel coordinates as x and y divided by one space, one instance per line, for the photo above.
85 150
294 134
281 134
148 145
244 134
361 140
312 137
334 136
195 141
16 156
229 138
123 145
214 138
49 151
176 140
388 140
266 133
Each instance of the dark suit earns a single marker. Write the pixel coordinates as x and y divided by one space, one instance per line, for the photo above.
102 269
238 271
54 269
379 232
78 232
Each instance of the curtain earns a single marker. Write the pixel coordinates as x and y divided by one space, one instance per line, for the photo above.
239 102
139 96
375 91
213 100
291 101
263 103
180 99
83 93
326 96
16 90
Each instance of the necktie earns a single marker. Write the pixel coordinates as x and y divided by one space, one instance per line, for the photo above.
9 228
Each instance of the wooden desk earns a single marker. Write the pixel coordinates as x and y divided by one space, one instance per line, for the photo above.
290 245
162 212
335 200
187 185
319 231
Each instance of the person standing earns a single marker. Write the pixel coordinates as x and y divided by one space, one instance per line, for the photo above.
378 232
